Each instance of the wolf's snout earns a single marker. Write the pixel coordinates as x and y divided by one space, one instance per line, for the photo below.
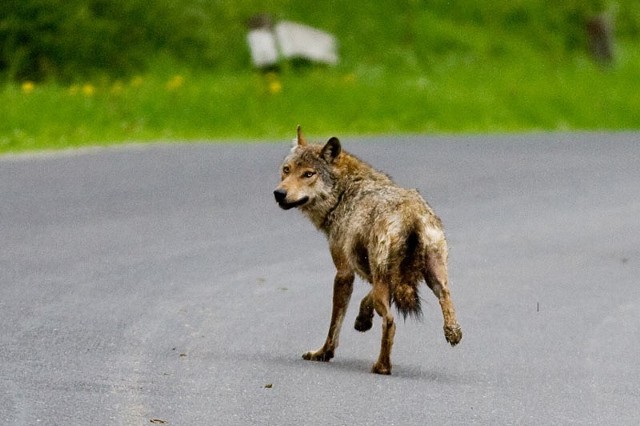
280 195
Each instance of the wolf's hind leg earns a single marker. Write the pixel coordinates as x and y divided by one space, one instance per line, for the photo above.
364 320
436 277
342 289
381 297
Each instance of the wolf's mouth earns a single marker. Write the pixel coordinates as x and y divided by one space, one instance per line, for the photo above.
286 206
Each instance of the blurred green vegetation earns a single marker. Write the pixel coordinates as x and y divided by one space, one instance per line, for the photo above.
86 72
74 39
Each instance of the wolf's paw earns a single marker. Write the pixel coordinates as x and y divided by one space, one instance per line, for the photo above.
363 323
320 355
379 368
453 334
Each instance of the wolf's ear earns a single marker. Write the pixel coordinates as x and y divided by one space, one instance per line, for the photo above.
331 150
299 140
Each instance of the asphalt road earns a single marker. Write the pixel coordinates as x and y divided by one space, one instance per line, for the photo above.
141 285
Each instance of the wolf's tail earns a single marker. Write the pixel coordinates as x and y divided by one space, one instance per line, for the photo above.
407 300
405 291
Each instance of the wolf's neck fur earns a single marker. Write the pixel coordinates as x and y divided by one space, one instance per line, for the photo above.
348 173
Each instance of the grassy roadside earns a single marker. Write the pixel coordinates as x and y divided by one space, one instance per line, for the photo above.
452 97
414 66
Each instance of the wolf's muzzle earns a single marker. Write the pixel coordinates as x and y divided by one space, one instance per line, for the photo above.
280 195
281 199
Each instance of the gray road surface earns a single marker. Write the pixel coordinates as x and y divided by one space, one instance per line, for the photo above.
162 283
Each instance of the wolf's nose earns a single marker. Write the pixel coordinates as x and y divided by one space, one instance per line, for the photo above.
280 195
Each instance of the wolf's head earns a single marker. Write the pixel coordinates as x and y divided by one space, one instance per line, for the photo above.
306 174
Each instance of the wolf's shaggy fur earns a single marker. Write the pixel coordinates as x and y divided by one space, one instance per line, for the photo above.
386 234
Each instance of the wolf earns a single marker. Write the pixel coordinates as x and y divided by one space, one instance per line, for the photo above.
387 235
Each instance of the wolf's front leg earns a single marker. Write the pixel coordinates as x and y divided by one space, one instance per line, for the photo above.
342 289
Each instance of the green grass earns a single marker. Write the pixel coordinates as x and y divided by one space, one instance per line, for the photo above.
406 67
462 95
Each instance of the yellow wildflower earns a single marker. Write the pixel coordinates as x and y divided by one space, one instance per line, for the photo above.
28 87
275 87
273 83
175 83
88 89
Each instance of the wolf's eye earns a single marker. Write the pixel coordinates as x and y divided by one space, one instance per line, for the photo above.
286 170
308 174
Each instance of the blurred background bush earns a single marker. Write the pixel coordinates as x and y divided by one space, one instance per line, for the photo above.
66 40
